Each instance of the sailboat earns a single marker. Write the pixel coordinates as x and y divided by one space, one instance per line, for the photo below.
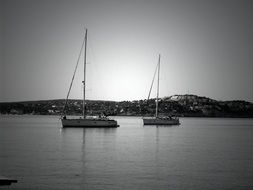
85 121
169 120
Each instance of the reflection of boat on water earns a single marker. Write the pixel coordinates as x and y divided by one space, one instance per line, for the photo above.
85 121
159 120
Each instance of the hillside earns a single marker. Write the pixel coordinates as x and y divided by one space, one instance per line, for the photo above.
179 105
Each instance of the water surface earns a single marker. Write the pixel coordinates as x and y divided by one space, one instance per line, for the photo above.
201 153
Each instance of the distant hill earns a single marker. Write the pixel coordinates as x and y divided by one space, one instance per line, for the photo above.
187 105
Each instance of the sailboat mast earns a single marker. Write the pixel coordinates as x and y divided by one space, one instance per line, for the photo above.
157 95
85 47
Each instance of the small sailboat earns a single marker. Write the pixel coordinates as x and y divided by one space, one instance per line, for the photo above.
85 121
169 120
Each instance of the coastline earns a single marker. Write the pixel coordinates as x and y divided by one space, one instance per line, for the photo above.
177 105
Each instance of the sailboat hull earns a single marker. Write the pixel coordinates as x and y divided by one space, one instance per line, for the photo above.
161 121
89 123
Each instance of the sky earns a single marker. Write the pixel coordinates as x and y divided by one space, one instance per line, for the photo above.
206 48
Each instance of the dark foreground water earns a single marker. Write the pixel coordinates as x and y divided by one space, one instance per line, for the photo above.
200 154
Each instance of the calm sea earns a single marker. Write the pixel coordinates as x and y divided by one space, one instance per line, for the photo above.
200 154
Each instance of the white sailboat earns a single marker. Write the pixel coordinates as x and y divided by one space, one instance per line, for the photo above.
159 120
85 121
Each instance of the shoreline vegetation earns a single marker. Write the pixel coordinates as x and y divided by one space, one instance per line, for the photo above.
187 105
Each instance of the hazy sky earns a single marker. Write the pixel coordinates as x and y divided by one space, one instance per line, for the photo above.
206 48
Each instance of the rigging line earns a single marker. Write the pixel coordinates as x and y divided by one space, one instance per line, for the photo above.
66 101
92 62
90 47
152 81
